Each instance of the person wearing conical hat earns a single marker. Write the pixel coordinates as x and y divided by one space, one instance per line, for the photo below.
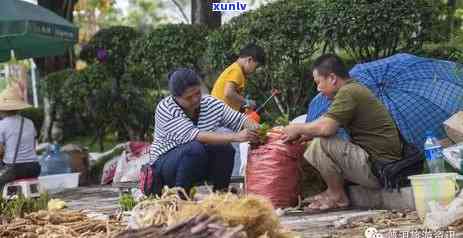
17 145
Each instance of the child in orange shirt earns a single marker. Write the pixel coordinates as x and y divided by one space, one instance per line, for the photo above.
230 84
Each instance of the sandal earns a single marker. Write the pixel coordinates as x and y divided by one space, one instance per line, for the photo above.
326 206
314 198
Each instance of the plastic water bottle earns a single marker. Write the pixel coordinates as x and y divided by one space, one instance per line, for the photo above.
44 163
433 153
55 162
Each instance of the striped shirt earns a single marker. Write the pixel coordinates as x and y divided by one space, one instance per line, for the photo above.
172 127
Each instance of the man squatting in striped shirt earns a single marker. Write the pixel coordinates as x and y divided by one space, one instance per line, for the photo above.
186 148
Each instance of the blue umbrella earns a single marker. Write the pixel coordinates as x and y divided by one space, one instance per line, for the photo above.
420 93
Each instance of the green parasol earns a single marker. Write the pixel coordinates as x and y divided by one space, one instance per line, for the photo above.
33 31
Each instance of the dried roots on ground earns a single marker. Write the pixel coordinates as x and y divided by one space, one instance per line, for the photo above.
195 227
63 224
254 215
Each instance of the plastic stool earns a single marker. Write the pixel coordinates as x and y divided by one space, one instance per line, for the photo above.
28 187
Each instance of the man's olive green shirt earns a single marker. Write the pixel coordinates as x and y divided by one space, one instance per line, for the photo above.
367 121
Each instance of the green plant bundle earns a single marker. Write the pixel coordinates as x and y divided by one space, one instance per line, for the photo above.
19 206
262 131
282 120
127 202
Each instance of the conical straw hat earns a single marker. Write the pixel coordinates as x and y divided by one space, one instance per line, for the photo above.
11 100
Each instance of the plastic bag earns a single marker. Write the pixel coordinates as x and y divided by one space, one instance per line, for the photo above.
244 151
453 155
130 163
273 171
442 216
109 169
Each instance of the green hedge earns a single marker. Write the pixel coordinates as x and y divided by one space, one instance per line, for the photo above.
116 41
164 49
53 86
369 30
442 51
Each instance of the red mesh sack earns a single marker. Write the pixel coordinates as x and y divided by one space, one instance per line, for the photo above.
273 171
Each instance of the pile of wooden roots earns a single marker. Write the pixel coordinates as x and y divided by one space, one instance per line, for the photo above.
63 224
196 227
218 215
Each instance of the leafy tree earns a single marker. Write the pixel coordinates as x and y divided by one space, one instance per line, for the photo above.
91 93
68 101
55 63
201 13
110 48
143 14
91 15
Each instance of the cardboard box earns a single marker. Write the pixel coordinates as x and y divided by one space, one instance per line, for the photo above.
454 127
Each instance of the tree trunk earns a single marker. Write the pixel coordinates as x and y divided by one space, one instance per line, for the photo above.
47 120
201 13
451 8
51 64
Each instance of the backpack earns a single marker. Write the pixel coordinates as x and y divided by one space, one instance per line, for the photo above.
393 174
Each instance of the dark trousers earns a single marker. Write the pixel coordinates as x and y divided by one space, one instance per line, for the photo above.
10 173
194 162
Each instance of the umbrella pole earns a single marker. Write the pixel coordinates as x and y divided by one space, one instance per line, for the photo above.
34 83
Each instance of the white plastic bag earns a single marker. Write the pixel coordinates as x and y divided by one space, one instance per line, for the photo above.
121 167
442 216
453 155
244 150
109 169
129 170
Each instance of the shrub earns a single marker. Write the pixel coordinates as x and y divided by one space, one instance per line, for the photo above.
442 51
58 88
369 30
111 46
53 86
152 58
164 49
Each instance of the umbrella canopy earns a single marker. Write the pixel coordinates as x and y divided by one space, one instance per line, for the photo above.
33 31
420 93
